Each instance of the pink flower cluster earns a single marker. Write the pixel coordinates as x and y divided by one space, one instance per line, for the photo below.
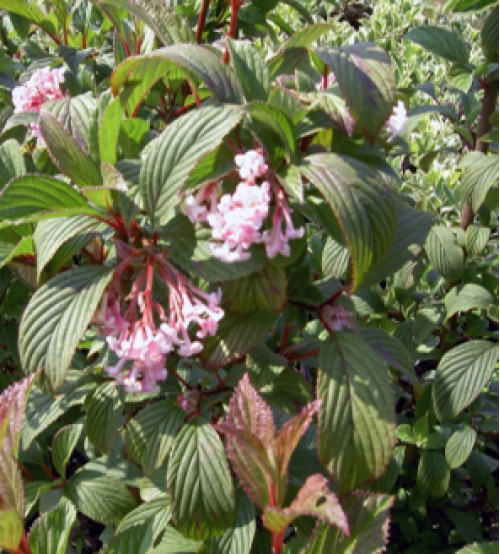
42 86
145 340
237 219
337 318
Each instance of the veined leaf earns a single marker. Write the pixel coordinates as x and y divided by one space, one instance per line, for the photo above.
150 434
199 482
489 36
109 130
444 253
477 239
9 251
237 539
482 548
11 161
103 416
11 529
51 531
67 154
63 445
196 61
467 297
366 80
306 36
251 69
31 12
174 154
440 41
478 178
56 318
157 512
35 197
313 499
459 446
461 375
357 429
433 477
363 204
165 20
58 239
103 499
132 540
369 517
174 542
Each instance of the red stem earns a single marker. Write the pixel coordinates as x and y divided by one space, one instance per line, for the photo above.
48 472
314 352
325 77
24 547
235 6
201 20
284 342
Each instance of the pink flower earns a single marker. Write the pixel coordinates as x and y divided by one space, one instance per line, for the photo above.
42 86
142 344
396 123
251 164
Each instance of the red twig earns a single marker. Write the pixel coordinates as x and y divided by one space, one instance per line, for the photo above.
27 473
325 77
314 352
233 24
24 547
201 20
284 341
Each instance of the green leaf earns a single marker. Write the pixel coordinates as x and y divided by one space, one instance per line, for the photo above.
236 335
489 37
277 121
103 498
482 548
461 375
306 36
29 11
433 476
56 240
364 206
150 434
467 297
11 161
197 62
9 251
66 154
173 155
63 444
313 499
391 350
444 253
476 240
103 416
35 197
366 80
174 542
369 517
239 537
411 231
251 70
440 41
11 529
199 482
459 446
109 130
132 540
50 532
264 290
357 429
76 115
165 20
156 511
56 318
478 178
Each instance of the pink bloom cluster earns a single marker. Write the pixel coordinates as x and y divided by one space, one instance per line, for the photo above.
396 123
237 219
337 318
42 86
145 340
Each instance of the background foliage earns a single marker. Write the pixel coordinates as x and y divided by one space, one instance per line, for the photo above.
387 426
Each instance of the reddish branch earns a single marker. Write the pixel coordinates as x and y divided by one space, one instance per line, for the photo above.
201 20
235 6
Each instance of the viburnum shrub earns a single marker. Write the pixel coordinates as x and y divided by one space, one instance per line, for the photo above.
248 277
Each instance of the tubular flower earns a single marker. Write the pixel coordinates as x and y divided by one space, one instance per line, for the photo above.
396 123
42 86
237 219
142 334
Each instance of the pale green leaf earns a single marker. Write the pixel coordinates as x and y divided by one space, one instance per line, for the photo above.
51 531
174 542
444 253
477 179
11 161
56 318
433 476
63 444
357 429
11 529
251 70
461 375
459 446
467 297
133 540
477 239
440 41
200 483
